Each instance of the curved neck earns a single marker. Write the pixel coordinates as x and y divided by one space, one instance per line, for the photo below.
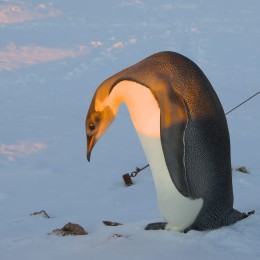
141 104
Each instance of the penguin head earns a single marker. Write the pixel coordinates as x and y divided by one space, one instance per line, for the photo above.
100 116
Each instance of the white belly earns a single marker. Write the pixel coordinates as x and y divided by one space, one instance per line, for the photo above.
178 211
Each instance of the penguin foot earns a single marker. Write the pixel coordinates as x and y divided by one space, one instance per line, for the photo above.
156 226
186 230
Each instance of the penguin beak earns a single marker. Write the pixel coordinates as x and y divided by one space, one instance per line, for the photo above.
91 140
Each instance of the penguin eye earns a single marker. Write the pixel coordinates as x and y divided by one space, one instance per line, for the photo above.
91 127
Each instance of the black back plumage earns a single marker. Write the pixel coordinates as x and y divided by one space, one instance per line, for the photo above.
194 133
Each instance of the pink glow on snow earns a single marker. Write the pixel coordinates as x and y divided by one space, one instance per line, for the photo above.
120 44
96 43
11 152
13 57
133 41
12 14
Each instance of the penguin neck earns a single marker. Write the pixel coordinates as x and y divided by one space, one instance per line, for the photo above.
142 106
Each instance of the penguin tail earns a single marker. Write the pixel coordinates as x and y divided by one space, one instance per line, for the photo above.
209 222
236 216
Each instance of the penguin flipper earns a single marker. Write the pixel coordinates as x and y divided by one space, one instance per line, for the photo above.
174 119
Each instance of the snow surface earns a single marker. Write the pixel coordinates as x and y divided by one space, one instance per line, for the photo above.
53 55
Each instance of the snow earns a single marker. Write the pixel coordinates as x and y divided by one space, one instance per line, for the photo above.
53 55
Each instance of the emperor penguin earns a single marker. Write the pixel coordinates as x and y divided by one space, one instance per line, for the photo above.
183 131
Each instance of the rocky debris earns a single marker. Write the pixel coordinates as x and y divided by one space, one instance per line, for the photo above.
43 213
242 169
70 229
112 224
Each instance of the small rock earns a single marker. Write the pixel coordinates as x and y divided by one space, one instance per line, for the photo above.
111 224
116 236
70 229
42 213
242 169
